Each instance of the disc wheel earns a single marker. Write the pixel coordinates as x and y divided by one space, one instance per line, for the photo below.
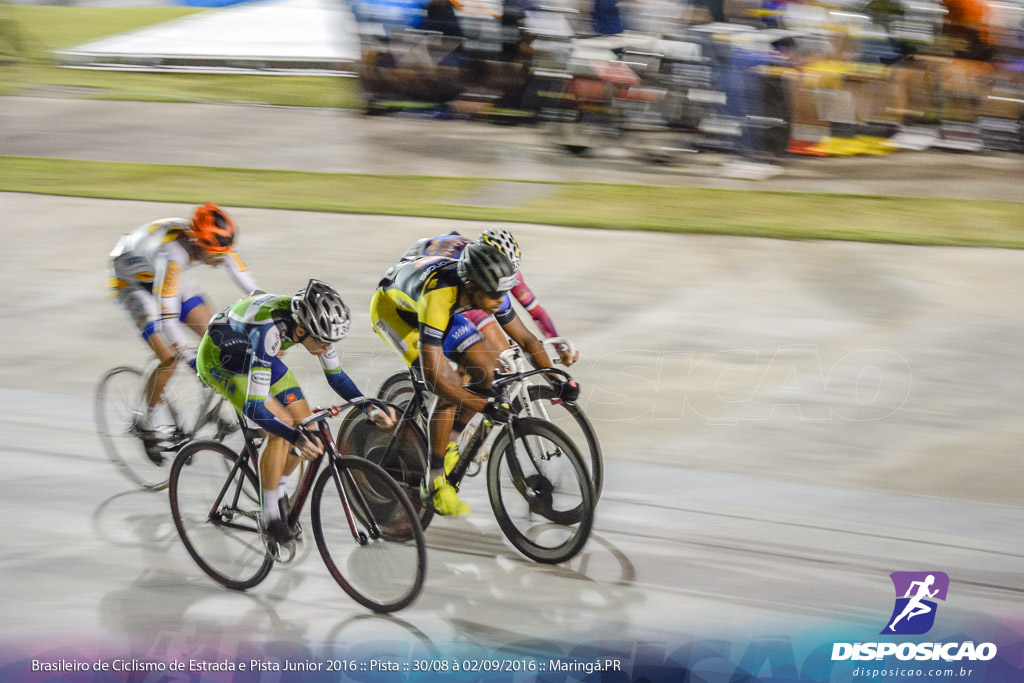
570 418
540 491
406 461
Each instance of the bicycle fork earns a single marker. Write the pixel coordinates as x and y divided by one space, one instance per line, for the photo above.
346 500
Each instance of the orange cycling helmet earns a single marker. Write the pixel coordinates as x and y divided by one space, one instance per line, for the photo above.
212 229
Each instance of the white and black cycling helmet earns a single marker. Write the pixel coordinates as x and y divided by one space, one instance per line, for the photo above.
319 308
503 240
487 268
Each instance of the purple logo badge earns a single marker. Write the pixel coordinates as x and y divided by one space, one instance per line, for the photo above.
916 592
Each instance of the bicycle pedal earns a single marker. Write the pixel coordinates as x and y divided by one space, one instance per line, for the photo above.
427 500
283 553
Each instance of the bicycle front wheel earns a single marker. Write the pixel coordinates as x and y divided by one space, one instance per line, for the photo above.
119 407
540 491
218 515
570 418
368 535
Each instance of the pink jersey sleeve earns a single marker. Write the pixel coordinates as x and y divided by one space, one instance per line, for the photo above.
524 295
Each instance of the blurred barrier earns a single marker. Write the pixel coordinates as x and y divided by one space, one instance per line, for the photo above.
777 79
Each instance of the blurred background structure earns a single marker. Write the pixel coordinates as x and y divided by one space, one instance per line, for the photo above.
759 81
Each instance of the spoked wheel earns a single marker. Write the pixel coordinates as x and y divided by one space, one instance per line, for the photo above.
377 554
119 407
217 516
406 462
571 419
540 491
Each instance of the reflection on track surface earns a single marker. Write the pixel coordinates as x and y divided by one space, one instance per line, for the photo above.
749 486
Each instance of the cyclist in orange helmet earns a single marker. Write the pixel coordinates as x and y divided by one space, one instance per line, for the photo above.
149 278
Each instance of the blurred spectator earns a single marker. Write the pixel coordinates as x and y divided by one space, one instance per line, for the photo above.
606 19
966 26
441 18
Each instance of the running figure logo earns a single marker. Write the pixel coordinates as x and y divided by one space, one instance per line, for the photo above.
914 612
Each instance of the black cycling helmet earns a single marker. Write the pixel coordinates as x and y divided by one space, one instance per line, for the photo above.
319 308
487 268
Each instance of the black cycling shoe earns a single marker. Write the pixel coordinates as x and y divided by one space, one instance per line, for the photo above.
278 534
153 450
286 509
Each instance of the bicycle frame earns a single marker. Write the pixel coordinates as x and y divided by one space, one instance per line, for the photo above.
331 451
515 363
250 454
483 432
208 412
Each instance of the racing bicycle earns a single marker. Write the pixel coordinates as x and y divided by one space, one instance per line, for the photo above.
366 529
189 409
530 400
537 483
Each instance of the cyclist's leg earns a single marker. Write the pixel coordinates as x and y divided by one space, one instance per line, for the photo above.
404 340
288 404
480 357
143 312
439 434
389 326
462 345
167 357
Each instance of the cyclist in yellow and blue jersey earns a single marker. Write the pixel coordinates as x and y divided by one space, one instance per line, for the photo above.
414 311
149 278
240 357
451 246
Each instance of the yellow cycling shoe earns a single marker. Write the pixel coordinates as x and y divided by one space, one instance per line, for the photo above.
446 499
451 457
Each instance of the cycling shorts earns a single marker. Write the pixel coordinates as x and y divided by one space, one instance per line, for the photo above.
403 338
144 311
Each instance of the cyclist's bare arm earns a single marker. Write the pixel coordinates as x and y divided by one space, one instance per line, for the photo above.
444 381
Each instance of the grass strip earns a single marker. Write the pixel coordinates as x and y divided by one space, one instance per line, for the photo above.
29 33
787 215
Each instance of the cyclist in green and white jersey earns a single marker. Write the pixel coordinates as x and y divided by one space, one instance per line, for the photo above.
240 357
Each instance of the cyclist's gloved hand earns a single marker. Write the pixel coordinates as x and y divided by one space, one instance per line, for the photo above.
498 412
309 447
566 389
384 418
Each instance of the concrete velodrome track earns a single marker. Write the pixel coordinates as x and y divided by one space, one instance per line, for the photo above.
784 424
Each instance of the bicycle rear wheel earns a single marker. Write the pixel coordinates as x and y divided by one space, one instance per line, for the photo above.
398 390
571 419
406 461
119 407
540 491
218 516
381 559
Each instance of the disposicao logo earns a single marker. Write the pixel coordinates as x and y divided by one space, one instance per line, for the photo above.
916 593
914 614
